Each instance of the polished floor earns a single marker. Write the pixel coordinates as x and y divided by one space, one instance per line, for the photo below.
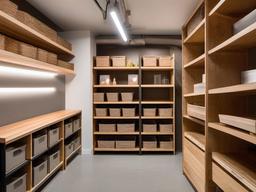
122 173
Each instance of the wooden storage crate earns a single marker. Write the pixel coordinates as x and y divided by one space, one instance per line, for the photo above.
150 144
27 50
166 144
98 97
128 112
101 112
149 112
42 55
112 97
107 127
2 41
115 112
127 97
11 45
118 61
166 61
103 61
106 144
165 112
196 111
166 128
149 128
125 144
149 61
64 43
52 58
66 65
8 7
126 127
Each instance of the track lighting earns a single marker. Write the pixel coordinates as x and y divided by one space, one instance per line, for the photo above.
118 24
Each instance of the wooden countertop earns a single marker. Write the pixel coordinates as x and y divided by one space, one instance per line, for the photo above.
15 131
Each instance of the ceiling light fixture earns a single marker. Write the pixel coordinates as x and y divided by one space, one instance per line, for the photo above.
118 25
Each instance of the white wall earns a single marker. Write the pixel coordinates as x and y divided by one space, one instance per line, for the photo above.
79 89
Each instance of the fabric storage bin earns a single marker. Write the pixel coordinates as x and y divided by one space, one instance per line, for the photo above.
53 160
166 144
149 61
27 50
68 129
127 97
106 144
53 136
166 128
15 155
112 97
18 184
118 61
149 144
245 22
107 127
76 143
126 127
101 112
39 172
76 124
128 112
42 55
125 144
66 65
98 97
115 112
149 128
8 7
103 61
166 61
165 112
149 112
39 144
69 148
52 58
196 111
64 43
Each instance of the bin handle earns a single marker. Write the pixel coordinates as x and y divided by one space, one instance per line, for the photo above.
17 152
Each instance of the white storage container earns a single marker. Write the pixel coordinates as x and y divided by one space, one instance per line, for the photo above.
40 144
39 172
53 136
68 129
15 156
199 88
76 124
53 160
248 76
18 185
245 22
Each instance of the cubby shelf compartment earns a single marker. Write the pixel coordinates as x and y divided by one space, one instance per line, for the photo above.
197 35
117 150
116 68
241 88
116 133
197 62
157 133
156 150
116 117
241 166
21 61
200 122
117 103
194 95
197 138
11 26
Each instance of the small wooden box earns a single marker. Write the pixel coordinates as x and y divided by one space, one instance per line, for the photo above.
166 128
98 97
149 128
125 144
165 61
103 61
11 45
66 65
118 61
115 112
126 127
101 112
106 144
52 58
64 43
166 144
112 97
149 112
149 61
165 112
149 144
27 50
8 7
42 55
107 127
127 97
128 112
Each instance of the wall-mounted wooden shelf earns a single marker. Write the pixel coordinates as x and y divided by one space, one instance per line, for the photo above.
116 133
194 95
157 68
196 138
137 117
156 133
156 150
197 62
116 68
116 86
157 86
201 122
242 88
117 150
156 117
197 35
116 103
157 102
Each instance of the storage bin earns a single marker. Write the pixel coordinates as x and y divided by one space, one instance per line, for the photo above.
126 127
125 144
106 144
52 58
66 65
39 172
166 128
196 111
149 144
166 144
18 184
76 143
101 112
8 7
166 61
107 127
39 144
149 61
199 88
53 160
248 76
76 124
127 97
102 61
98 97
2 41
115 112
27 50
42 55
11 45
64 43
15 155
69 148
53 136
128 112
149 112
112 97
149 128
165 112
118 61
68 129
245 22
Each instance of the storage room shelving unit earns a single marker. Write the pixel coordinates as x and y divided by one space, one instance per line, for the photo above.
217 155
146 94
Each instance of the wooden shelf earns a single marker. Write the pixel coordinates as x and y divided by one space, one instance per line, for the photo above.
197 138
157 68
194 95
197 62
74 152
157 86
116 133
156 150
137 117
241 166
244 135
116 68
157 102
12 27
21 61
197 35
116 150
156 117
241 88
201 122
116 103
157 133
116 86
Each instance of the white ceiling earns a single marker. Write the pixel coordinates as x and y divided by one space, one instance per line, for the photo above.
158 17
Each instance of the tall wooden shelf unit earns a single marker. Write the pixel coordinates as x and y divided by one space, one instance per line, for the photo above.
146 95
217 155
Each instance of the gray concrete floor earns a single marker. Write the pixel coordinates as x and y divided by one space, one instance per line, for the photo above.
122 173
